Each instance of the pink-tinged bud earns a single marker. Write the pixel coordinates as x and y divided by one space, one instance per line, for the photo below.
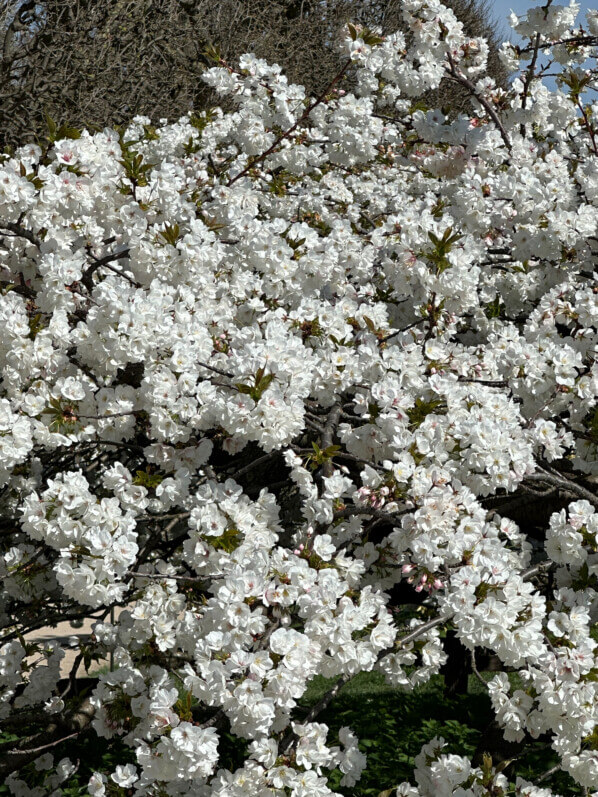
419 587
297 552
301 547
424 578
384 490
437 584
407 569
363 494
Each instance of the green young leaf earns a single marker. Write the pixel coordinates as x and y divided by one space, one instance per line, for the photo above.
145 479
191 147
202 120
372 38
171 234
418 413
227 542
36 324
150 133
261 382
370 324
265 383
212 54
51 125
494 308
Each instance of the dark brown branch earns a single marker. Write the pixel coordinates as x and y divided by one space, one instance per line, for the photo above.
61 730
353 511
567 485
403 329
163 577
574 41
488 382
531 70
216 370
21 232
290 739
304 116
328 435
106 262
457 75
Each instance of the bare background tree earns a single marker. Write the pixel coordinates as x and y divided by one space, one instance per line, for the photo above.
87 63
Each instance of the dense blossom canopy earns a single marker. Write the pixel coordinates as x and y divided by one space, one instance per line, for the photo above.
258 369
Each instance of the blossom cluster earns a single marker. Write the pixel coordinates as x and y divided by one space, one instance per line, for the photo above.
263 370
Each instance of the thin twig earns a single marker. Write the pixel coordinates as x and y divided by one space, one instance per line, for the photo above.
289 740
464 81
476 672
216 370
398 331
353 511
163 577
254 464
549 773
29 751
213 720
575 41
536 570
253 163
487 382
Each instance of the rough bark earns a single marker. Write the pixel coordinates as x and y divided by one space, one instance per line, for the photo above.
98 64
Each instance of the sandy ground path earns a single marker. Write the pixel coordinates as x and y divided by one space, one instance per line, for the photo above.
62 633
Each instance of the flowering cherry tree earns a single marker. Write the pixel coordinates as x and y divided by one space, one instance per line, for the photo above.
262 372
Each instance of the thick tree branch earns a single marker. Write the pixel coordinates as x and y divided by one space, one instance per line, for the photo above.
20 231
57 732
106 262
567 485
